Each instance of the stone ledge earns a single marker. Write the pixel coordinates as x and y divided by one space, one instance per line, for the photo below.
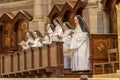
15 5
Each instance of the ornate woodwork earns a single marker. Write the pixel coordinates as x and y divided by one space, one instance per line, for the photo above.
118 28
99 43
55 12
109 8
7 32
21 25
34 61
68 11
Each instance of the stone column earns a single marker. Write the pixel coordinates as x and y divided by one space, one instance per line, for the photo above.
38 22
38 9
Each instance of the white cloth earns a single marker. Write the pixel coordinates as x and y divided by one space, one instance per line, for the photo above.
58 31
80 47
66 38
48 40
26 45
36 43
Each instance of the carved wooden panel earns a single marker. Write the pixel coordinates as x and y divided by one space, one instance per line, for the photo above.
15 62
21 25
7 63
8 37
22 61
28 59
44 56
53 55
37 58
99 43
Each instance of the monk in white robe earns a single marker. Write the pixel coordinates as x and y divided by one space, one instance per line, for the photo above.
66 38
80 46
48 35
38 36
58 29
28 39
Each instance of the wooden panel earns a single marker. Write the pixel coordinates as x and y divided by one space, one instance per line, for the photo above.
22 61
7 63
44 54
99 43
15 63
53 55
28 59
36 58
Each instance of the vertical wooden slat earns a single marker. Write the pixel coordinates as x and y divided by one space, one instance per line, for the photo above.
44 54
53 55
7 63
15 62
28 59
2 64
36 58
22 61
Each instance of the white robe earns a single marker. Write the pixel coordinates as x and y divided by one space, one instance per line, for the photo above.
48 40
66 38
80 47
26 46
58 31
36 43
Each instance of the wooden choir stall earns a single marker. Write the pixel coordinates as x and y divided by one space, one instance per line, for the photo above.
48 60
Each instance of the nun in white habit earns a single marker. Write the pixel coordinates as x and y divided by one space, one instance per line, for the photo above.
80 46
38 36
27 39
48 35
58 29
66 38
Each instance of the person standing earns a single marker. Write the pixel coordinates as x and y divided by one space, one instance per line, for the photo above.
58 29
80 46
48 34
66 38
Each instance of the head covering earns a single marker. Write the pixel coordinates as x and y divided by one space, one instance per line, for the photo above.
39 34
28 32
67 24
52 27
82 23
59 21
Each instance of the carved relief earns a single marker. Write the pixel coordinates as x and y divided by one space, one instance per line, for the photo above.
22 28
8 36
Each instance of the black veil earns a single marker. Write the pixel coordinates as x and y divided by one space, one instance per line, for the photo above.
59 21
67 25
39 34
82 23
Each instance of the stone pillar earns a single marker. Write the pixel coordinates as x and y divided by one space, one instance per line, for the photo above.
38 22
38 9
97 18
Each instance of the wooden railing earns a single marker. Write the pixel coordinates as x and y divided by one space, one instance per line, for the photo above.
46 58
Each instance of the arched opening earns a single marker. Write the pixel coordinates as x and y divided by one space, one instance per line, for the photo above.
69 17
79 11
8 37
21 26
